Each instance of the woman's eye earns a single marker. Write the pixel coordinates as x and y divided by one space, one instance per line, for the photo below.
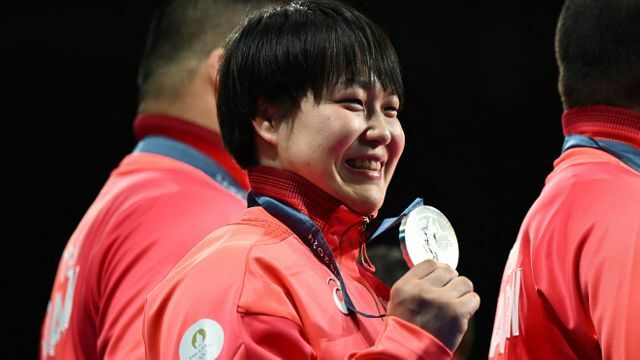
391 111
353 103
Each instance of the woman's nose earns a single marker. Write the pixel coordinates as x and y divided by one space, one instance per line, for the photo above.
378 129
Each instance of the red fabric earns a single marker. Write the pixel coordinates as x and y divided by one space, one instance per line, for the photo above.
603 122
294 191
151 211
570 287
271 297
205 140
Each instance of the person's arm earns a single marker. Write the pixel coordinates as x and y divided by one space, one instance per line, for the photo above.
270 337
403 340
176 310
428 314
611 281
256 317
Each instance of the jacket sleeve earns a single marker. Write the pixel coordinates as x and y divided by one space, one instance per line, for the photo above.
269 337
609 280
403 340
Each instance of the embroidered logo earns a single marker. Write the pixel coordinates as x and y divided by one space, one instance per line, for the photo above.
203 341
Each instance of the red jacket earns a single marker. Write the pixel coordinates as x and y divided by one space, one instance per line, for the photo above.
151 211
252 289
571 286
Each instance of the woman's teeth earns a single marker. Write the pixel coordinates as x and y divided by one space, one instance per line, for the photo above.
364 164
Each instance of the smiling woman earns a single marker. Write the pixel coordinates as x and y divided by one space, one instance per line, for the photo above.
309 94
348 144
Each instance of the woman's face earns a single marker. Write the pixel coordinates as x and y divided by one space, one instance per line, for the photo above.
348 145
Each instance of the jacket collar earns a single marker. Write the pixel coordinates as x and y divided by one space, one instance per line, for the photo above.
603 122
341 226
205 140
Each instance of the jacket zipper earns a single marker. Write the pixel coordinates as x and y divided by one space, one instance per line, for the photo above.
363 226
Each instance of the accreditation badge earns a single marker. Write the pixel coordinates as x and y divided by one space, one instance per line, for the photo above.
425 233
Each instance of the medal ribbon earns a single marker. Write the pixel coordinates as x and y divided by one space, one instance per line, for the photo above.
389 222
312 237
180 151
625 153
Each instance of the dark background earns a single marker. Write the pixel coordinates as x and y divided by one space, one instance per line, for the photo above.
482 120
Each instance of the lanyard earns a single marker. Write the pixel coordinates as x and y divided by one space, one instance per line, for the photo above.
389 222
313 238
180 151
625 153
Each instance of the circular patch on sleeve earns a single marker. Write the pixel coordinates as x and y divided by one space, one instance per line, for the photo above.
203 341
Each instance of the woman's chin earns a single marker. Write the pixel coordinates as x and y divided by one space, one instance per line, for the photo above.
365 207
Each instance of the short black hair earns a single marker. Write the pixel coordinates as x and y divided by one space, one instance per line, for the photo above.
181 36
282 54
598 53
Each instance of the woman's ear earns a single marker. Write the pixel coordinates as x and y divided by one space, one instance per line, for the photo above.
265 123
213 66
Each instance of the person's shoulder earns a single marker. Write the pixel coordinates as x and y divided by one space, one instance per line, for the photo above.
154 183
255 241
225 277
588 190
166 174
593 172
231 245
226 258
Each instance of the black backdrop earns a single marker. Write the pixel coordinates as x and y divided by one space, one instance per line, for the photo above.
482 119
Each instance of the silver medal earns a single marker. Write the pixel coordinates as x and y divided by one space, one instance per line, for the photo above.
425 233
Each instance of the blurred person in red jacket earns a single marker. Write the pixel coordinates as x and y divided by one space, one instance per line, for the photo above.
570 286
178 185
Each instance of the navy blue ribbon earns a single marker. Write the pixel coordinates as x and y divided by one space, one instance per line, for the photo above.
312 237
180 151
389 222
625 153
